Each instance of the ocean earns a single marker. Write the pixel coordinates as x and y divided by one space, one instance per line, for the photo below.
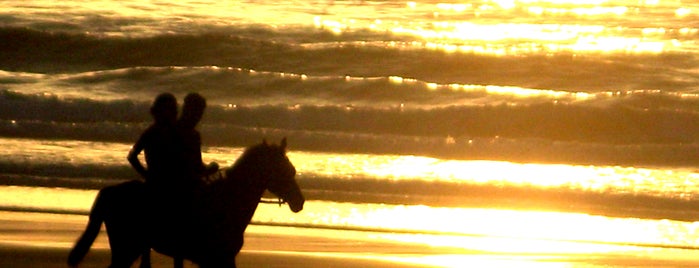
438 123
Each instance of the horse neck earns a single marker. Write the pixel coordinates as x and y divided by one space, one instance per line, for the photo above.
249 181
243 187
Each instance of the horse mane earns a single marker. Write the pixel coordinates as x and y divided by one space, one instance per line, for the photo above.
257 152
248 154
246 162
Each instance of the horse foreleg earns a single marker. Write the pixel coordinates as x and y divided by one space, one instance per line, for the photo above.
179 262
145 259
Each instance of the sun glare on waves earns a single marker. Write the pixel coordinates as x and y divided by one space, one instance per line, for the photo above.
508 39
502 90
660 182
609 179
549 26
586 11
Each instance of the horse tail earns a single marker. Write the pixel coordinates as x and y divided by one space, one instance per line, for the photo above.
94 224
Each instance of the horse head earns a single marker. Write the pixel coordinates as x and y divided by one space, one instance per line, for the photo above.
277 173
282 182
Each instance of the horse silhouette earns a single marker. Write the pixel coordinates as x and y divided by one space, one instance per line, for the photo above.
225 212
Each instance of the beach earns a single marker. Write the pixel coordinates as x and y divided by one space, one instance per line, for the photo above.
497 133
43 240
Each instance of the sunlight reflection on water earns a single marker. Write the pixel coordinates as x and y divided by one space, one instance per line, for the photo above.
450 228
496 27
672 183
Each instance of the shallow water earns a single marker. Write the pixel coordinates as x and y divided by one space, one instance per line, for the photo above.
405 195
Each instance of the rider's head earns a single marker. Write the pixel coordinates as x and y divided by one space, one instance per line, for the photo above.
192 110
164 109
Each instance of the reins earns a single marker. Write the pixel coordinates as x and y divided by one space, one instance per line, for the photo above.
219 175
278 201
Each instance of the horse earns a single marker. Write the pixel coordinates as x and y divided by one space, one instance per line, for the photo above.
227 206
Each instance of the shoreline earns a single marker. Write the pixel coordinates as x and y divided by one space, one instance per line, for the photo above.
44 240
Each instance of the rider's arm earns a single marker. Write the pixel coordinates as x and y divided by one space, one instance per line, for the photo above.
133 158
211 168
201 168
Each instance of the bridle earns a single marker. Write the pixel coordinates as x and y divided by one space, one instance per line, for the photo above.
279 201
220 174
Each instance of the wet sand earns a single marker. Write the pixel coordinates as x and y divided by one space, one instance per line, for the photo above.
43 240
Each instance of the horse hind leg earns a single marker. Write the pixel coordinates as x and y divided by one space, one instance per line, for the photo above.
94 225
115 211
82 246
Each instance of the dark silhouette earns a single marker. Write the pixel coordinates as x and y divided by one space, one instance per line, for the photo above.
166 166
192 112
158 141
175 167
226 209
159 144
180 206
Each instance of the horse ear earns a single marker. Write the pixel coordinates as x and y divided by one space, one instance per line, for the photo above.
283 145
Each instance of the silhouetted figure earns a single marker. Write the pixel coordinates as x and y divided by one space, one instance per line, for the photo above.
190 139
158 142
160 145
176 194
190 183
174 173
232 203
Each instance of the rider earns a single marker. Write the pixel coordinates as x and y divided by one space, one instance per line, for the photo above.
189 187
175 167
160 145
190 142
158 142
